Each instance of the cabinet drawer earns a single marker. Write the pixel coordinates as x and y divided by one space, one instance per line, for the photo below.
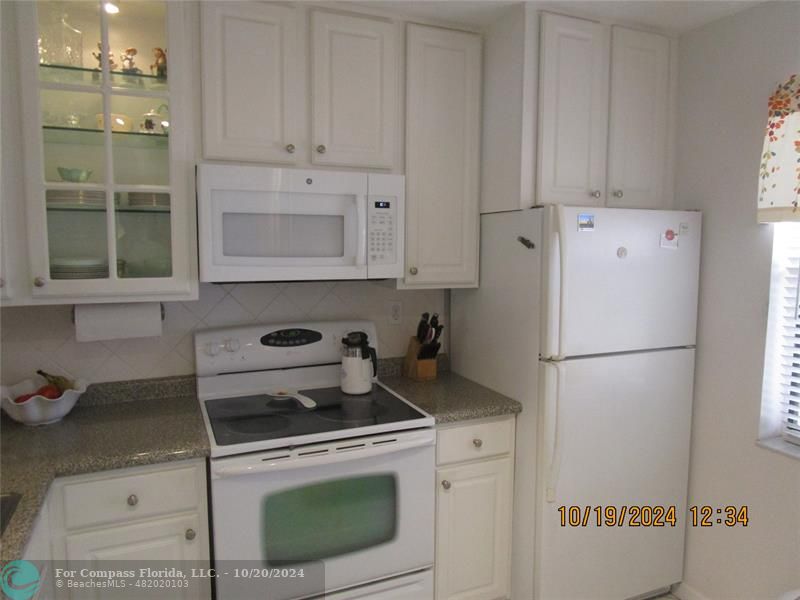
474 440
132 496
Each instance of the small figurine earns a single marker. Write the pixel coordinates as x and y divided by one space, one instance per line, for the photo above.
127 61
160 64
99 57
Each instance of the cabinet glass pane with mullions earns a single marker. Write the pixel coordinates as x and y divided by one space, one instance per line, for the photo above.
104 105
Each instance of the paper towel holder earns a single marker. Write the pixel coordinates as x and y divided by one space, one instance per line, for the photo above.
72 313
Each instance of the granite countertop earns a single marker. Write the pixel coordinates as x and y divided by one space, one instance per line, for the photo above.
136 423
451 397
91 438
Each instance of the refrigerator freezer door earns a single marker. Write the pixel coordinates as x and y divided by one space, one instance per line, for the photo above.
614 432
619 280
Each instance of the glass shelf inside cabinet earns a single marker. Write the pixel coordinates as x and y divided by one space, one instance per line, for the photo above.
71 75
138 81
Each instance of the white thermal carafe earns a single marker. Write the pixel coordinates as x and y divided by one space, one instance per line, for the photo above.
359 363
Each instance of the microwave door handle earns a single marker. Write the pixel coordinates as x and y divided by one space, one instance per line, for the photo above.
361 214
252 466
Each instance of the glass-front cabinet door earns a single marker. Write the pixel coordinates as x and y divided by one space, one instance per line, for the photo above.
109 177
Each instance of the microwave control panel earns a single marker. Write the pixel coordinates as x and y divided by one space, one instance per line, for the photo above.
382 228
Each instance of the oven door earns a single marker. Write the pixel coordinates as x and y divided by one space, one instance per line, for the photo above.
363 509
265 224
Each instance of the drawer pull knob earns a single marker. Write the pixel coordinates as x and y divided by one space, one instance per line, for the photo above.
595 193
446 484
39 282
477 442
413 270
133 500
321 149
290 148
190 534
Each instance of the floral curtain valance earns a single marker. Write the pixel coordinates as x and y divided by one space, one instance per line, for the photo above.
779 176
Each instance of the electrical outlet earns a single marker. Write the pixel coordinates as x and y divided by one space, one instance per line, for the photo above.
395 312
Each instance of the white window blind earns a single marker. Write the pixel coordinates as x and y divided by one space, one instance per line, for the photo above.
781 401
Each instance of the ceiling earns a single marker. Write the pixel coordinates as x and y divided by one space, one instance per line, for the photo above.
676 16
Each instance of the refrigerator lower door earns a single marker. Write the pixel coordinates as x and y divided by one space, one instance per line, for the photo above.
619 280
614 434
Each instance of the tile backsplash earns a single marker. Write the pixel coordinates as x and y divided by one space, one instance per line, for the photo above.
43 337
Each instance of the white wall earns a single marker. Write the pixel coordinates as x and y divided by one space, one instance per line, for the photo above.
43 337
727 71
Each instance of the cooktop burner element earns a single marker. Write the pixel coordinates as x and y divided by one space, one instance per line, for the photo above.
265 417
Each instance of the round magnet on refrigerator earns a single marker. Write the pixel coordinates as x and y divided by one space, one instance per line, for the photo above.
622 252
670 235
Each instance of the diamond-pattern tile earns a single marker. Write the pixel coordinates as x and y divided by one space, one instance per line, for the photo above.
43 337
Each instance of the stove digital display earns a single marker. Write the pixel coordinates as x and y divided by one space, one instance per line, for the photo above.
291 337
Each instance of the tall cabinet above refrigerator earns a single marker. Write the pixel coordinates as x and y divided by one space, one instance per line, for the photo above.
605 301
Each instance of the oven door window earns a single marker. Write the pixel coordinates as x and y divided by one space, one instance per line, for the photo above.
328 519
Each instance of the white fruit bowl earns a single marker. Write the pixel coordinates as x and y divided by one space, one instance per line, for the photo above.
39 410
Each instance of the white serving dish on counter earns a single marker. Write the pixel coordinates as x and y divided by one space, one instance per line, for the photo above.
39 410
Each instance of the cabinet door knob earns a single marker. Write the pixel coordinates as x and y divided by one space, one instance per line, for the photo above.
133 500
413 270
617 193
290 148
446 484
321 149
595 193
190 534
39 282
477 442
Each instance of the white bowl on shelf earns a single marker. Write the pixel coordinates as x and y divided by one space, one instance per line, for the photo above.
39 410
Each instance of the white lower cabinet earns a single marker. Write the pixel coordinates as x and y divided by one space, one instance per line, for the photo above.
475 480
151 513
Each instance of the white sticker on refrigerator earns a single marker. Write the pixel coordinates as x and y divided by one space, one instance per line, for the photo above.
585 222
683 229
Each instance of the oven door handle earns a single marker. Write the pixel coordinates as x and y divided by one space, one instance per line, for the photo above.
344 452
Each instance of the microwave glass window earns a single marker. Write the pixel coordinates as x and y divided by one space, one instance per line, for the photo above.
283 235
328 519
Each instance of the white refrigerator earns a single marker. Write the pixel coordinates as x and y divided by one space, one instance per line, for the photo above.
606 301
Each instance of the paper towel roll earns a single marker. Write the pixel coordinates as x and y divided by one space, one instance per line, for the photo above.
113 321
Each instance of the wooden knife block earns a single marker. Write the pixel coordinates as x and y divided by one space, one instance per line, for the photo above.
416 369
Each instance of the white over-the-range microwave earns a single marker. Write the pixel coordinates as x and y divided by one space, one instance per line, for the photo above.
271 224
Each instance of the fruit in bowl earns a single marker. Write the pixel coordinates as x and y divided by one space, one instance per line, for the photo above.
42 400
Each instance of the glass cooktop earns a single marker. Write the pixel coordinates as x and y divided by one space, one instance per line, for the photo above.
268 417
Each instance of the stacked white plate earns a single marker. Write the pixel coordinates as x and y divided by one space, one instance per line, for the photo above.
148 199
78 268
76 198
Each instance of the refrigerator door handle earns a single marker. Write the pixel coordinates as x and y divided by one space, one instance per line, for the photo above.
554 287
554 383
562 284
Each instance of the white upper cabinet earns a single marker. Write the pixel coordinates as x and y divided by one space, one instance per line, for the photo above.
251 72
354 91
442 157
108 148
573 121
638 132
266 99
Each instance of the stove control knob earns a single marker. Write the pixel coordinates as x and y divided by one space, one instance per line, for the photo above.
212 348
232 345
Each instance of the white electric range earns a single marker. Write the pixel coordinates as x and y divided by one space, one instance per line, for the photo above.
307 479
